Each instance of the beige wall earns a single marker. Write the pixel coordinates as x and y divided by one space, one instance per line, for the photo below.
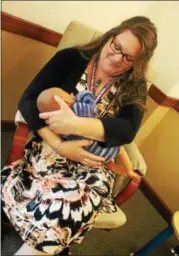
175 91
151 106
22 58
57 15
160 150
153 117
165 14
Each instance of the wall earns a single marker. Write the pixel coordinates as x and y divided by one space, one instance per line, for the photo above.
165 14
152 119
56 15
165 63
175 91
22 58
160 151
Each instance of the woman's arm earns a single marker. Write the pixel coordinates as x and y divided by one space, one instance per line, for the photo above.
72 150
113 132
91 128
50 137
109 132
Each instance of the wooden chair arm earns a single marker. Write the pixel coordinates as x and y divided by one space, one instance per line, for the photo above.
18 144
129 190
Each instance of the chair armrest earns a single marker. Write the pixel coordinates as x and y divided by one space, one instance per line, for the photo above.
128 191
136 158
18 144
175 223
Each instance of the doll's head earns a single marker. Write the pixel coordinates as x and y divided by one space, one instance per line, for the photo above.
46 101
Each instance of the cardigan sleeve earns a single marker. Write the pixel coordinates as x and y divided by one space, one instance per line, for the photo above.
122 130
51 75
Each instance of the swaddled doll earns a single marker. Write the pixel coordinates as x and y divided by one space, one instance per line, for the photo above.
84 105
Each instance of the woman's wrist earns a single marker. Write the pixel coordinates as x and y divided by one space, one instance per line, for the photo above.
74 127
89 127
58 146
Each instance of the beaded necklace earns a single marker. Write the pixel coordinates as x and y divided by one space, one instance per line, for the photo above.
92 87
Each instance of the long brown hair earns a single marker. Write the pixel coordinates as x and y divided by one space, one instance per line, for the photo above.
131 85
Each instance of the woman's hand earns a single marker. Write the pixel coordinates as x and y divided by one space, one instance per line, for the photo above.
61 121
73 150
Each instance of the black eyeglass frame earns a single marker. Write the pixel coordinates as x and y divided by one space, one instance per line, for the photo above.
121 52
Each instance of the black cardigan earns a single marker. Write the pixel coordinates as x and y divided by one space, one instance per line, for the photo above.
64 71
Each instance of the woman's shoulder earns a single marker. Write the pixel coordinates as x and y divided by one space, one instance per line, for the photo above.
69 53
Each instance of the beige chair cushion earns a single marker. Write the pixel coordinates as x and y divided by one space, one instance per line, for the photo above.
175 223
136 158
77 33
111 220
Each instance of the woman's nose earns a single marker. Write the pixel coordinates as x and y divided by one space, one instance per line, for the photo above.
118 58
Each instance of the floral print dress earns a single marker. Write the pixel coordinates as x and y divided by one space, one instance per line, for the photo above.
52 201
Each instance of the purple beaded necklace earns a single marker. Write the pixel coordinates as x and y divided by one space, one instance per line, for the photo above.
92 87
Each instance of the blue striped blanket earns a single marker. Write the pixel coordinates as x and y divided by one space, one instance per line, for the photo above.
85 106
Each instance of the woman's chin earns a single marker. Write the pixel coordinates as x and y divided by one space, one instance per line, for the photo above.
112 72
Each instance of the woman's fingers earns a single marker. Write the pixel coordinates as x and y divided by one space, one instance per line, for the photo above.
50 114
63 105
90 162
82 143
44 115
92 157
88 155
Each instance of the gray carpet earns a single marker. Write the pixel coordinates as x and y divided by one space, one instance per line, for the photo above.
143 223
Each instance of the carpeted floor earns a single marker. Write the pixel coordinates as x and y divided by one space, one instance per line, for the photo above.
143 223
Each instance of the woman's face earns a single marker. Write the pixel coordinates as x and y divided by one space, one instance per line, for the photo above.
119 53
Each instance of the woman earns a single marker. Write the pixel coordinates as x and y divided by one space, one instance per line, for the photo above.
55 193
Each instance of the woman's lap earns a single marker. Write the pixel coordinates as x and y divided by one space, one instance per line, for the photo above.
51 200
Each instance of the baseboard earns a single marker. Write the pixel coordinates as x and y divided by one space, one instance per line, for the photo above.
7 126
156 201
29 29
162 99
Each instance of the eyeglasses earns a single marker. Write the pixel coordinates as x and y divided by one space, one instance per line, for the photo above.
116 48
